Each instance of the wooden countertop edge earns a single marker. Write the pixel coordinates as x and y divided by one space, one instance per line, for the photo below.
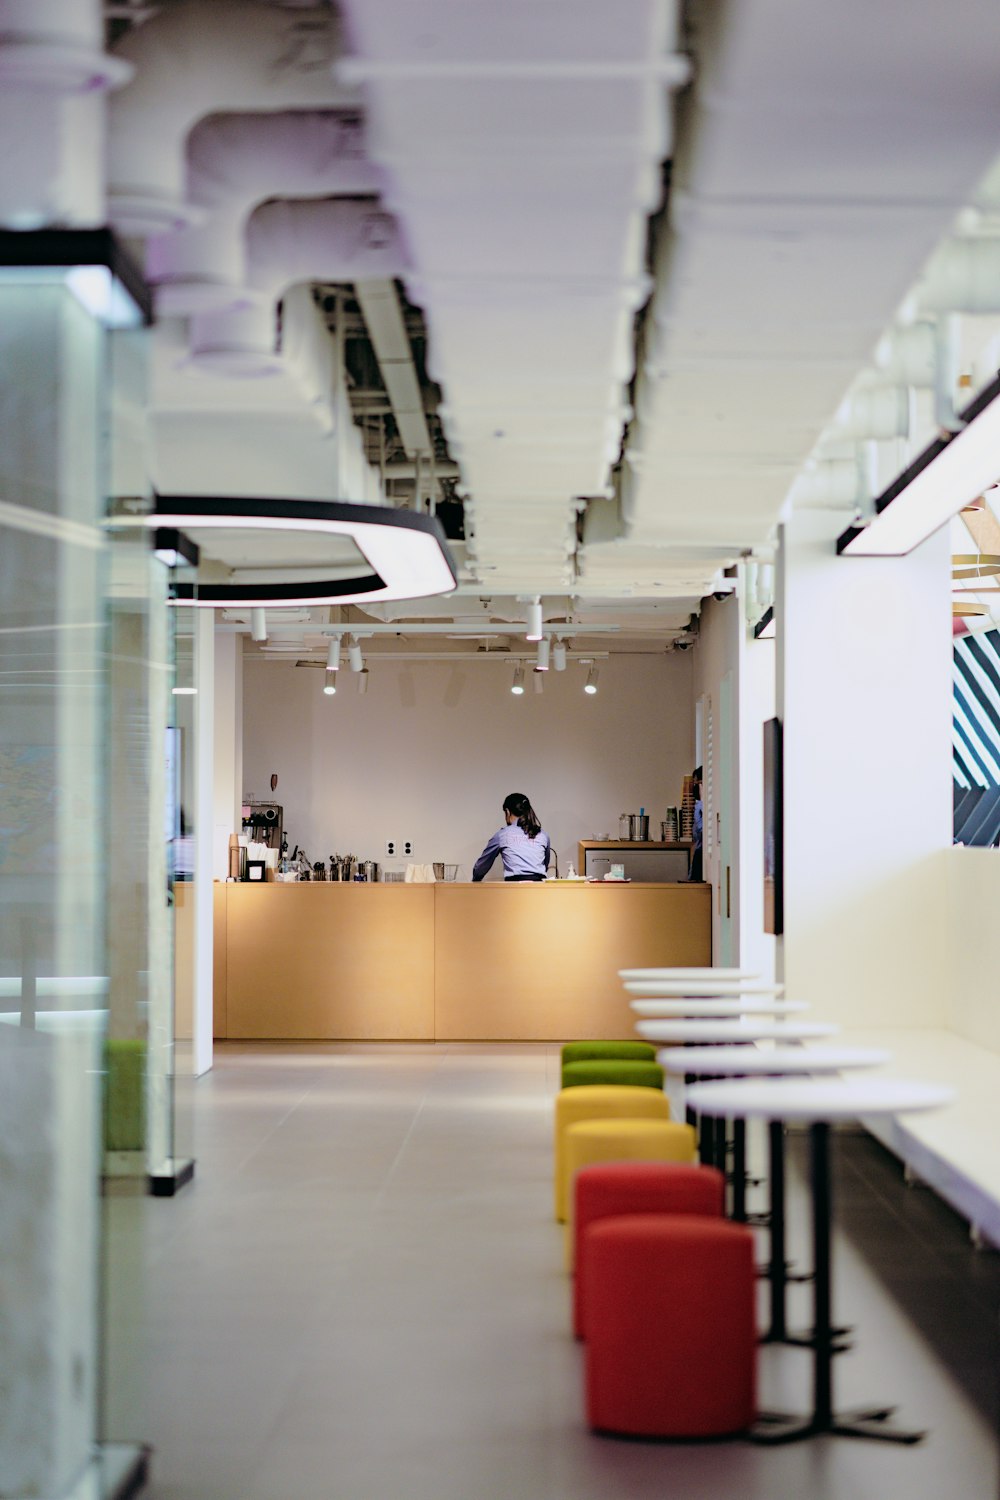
457 885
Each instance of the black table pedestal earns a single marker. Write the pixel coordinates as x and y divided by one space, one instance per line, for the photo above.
868 1422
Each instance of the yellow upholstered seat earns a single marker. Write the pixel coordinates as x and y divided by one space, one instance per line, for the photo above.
590 1141
599 1101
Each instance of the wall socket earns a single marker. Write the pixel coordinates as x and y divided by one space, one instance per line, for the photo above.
391 846
399 848
407 848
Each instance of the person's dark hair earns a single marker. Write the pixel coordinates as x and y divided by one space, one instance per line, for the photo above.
520 808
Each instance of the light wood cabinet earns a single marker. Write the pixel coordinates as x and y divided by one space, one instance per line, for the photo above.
445 962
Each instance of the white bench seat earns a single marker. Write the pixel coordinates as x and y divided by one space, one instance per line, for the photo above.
956 1151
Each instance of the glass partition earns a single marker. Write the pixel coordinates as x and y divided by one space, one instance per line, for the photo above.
54 966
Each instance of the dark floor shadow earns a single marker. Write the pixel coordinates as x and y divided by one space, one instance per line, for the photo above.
920 1251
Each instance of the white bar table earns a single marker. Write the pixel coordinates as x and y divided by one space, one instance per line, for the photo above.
700 1006
702 973
746 1062
666 989
745 1029
742 1029
819 1102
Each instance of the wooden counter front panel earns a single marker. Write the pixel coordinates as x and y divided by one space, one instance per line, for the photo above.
307 961
540 963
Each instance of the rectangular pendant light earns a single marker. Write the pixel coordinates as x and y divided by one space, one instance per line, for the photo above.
949 474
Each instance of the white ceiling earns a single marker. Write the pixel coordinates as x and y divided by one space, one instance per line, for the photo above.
816 157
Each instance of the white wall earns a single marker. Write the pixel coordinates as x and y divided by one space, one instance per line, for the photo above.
756 700
430 752
973 904
726 646
227 748
864 691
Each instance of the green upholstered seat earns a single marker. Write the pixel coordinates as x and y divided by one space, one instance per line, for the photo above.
589 1051
612 1070
124 1094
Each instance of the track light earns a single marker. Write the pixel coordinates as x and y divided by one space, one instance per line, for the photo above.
363 680
333 655
590 686
542 658
537 679
329 687
534 620
517 686
355 658
559 656
258 625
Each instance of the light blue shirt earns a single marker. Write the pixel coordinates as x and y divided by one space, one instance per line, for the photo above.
520 855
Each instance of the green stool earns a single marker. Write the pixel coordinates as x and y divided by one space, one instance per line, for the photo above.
591 1051
124 1094
612 1070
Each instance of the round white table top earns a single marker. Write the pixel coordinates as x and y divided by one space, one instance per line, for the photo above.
816 1099
775 1060
667 989
698 1006
743 1029
703 973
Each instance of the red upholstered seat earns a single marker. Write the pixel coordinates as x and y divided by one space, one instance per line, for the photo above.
671 1338
610 1189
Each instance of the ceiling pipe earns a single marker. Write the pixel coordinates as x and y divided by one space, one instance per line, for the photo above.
230 56
962 276
305 240
233 163
875 412
909 355
54 75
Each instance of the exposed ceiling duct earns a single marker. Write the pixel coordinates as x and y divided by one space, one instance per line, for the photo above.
193 60
819 160
522 147
53 79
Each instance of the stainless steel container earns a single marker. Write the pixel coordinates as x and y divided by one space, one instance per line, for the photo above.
640 826
370 870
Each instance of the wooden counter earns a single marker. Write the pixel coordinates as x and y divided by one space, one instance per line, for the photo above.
445 962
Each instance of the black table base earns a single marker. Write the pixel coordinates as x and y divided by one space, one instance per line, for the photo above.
826 1341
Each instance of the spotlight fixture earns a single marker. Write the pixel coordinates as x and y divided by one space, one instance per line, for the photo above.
333 655
537 679
363 681
355 658
258 625
534 620
517 686
542 658
329 687
590 686
559 656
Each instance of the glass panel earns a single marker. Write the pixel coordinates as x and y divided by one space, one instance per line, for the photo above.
53 868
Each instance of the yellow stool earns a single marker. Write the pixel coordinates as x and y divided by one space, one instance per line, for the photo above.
590 1141
599 1101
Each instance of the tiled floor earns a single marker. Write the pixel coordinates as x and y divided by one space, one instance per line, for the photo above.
361 1297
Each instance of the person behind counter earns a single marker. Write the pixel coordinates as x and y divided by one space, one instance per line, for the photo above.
522 843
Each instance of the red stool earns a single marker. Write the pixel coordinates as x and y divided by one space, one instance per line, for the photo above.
609 1189
671 1338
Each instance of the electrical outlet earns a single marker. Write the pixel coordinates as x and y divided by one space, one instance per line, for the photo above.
391 848
407 849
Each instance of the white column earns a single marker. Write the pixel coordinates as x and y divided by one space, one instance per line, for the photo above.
228 754
864 693
756 705
204 791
